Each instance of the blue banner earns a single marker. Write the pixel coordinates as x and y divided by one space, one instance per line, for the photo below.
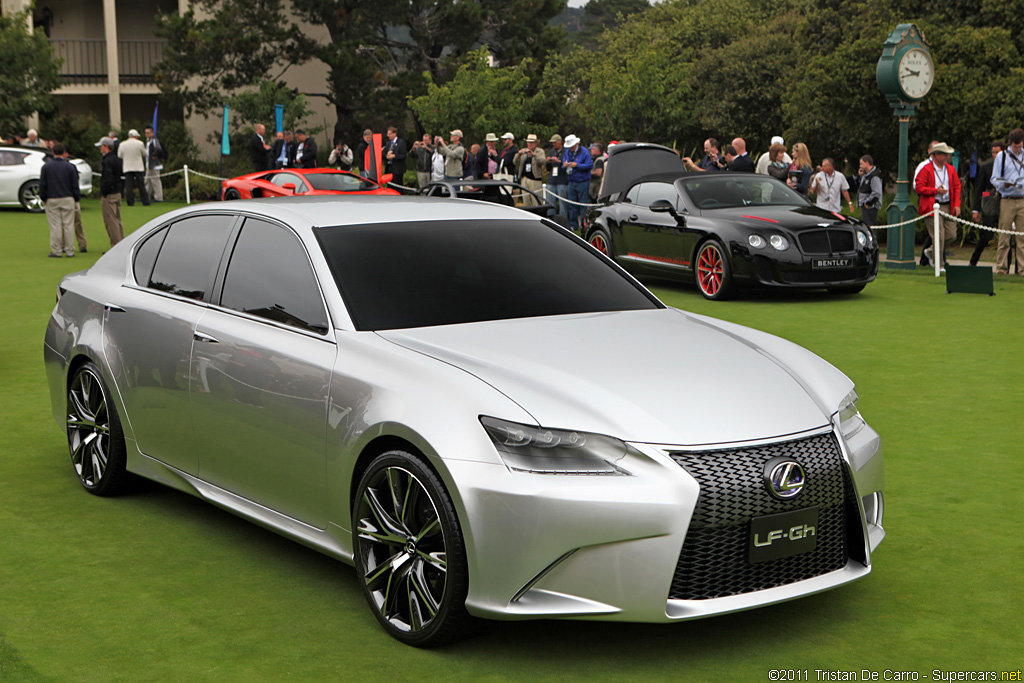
156 109
279 117
225 139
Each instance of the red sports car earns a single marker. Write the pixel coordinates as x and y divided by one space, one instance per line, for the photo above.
300 181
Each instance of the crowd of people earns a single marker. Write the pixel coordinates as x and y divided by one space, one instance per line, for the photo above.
569 172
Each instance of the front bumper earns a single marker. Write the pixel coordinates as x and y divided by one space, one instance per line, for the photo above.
613 548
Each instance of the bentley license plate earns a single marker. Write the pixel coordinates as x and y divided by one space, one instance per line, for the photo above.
831 263
782 535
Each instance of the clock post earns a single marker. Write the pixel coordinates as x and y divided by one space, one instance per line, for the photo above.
905 74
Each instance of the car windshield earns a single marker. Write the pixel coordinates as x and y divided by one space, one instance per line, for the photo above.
731 190
339 182
426 273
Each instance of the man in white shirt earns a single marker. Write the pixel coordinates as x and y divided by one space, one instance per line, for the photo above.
133 155
829 186
156 155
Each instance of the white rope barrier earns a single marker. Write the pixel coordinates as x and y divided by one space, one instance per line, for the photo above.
560 198
907 222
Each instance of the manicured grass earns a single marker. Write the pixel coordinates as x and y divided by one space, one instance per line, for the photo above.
160 586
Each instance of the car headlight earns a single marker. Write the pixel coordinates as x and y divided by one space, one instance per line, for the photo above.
756 241
850 420
863 239
554 451
779 242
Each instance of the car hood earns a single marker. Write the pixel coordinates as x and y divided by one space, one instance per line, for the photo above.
659 376
794 218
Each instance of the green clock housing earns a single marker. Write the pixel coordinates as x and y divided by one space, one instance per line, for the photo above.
905 71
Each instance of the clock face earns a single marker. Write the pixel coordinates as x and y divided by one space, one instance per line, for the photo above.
916 73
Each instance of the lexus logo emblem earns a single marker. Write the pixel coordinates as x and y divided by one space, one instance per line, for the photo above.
784 478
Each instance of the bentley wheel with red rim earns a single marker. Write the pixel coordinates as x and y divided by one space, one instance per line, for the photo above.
714 275
599 240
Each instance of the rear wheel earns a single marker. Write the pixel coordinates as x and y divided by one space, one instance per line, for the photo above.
231 193
714 274
28 195
409 552
599 240
95 438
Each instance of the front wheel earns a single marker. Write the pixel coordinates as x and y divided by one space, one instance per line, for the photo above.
599 240
409 552
714 274
28 196
95 438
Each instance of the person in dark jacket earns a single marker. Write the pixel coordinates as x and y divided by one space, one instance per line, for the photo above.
258 148
395 153
986 203
282 154
305 151
58 189
110 191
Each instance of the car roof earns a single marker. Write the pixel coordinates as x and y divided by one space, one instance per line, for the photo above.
335 210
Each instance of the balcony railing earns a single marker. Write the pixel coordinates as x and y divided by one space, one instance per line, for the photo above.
85 59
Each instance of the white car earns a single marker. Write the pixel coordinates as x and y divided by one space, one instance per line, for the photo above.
19 176
482 413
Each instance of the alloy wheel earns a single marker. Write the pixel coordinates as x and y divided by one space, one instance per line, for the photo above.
88 424
710 270
403 549
598 241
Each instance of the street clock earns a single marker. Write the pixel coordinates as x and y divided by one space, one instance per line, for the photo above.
905 71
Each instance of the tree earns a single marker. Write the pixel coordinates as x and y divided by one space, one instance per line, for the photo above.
605 15
30 71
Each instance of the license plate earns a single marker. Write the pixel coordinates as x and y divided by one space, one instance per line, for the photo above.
831 263
788 533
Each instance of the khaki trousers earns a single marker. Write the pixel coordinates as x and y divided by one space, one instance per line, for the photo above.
79 230
60 214
154 185
111 207
536 186
947 231
1011 217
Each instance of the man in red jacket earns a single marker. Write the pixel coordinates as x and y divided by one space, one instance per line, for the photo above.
938 185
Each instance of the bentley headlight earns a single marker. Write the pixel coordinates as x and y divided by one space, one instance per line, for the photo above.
756 241
554 451
779 242
862 238
850 421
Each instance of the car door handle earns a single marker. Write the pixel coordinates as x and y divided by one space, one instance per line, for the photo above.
111 308
633 217
199 336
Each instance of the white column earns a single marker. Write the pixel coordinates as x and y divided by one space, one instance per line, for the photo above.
113 67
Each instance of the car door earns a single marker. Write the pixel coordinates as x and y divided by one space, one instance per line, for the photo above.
148 328
655 242
261 374
279 180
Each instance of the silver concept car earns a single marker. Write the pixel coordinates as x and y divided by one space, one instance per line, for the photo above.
436 391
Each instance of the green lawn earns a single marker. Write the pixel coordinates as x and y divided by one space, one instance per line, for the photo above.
160 586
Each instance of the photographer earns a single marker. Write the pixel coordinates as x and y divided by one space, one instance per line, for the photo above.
341 157
869 191
423 151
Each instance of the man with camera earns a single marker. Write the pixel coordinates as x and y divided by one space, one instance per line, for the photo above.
869 192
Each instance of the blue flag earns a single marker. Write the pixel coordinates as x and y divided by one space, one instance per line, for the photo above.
155 110
279 117
225 140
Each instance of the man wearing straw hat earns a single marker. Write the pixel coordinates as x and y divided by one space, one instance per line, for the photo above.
938 186
529 163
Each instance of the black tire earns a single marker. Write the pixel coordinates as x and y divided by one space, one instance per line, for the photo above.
95 438
410 555
848 289
713 271
600 240
28 196
231 194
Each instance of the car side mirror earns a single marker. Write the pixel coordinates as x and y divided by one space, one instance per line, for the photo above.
665 206
386 178
289 187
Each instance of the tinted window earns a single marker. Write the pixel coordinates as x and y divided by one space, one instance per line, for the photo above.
269 275
282 178
8 158
339 182
652 192
190 253
633 194
730 190
145 256
428 273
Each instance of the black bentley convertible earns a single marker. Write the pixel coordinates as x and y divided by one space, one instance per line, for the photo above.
724 230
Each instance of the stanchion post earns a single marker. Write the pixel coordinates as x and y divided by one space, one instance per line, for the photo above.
188 196
937 254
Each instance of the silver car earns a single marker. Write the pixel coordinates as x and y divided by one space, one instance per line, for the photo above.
481 412
19 176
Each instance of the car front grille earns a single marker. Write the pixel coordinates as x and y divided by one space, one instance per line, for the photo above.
714 559
826 241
